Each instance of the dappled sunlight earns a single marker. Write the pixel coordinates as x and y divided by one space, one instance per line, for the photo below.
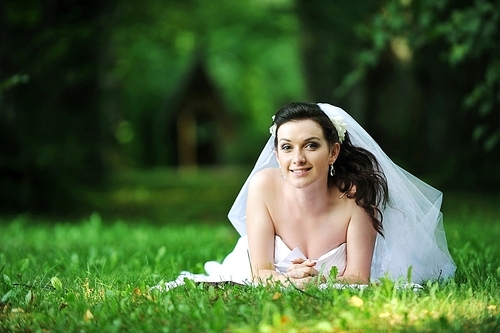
128 128
66 276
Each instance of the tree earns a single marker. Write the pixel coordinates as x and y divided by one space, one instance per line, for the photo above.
53 138
443 59
248 48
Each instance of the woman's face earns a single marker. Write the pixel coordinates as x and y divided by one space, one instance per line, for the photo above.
303 153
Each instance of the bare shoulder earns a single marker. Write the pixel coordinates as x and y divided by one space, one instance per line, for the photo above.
261 194
360 219
264 179
357 212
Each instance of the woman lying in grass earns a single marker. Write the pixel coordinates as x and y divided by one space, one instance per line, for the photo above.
324 201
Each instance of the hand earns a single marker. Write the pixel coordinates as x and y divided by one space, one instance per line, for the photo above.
302 272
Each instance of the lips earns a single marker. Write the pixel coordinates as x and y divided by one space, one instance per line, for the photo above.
300 171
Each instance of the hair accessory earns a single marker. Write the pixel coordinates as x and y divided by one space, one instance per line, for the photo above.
340 126
272 129
412 217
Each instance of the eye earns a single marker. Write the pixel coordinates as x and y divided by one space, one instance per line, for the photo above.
286 147
312 145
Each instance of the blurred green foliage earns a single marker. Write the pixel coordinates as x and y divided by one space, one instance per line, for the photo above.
450 50
88 88
248 47
163 195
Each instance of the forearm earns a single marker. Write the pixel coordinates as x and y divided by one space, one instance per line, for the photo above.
266 276
296 277
353 279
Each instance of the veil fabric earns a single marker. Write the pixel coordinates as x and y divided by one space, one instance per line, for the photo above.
414 245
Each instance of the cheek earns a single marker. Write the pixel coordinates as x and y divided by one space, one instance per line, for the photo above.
324 161
279 158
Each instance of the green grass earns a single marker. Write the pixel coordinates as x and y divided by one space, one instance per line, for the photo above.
169 196
93 275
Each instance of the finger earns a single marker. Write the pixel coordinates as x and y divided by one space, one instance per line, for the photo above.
296 274
309 263
302 272
303 262
302 283
294 267
298 261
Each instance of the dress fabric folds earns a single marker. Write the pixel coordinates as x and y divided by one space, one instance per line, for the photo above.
236 266
413 248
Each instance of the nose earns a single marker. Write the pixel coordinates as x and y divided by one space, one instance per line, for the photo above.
298 157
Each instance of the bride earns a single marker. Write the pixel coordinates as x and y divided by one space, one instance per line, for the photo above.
323 200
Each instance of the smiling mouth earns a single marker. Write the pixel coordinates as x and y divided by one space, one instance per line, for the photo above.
300 171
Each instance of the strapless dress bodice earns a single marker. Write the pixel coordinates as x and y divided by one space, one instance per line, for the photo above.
283 257
236 266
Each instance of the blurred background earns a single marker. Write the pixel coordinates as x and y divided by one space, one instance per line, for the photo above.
158 109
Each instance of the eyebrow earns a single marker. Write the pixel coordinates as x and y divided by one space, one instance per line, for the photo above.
308 139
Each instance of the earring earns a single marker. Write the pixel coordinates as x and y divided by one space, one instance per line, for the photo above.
332 170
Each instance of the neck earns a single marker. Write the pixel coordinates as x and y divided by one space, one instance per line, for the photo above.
313 199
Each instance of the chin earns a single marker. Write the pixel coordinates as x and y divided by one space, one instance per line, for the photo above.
306 182
299 183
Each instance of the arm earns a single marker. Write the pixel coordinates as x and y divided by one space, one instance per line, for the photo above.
260 229
360 245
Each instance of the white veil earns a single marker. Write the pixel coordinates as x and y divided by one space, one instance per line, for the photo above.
412 225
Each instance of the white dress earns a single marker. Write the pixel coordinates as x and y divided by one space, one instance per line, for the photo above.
413 248
236 266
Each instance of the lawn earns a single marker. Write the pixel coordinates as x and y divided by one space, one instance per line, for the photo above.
93 274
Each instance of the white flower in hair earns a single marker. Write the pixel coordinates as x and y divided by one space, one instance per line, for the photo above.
272 129
340 126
